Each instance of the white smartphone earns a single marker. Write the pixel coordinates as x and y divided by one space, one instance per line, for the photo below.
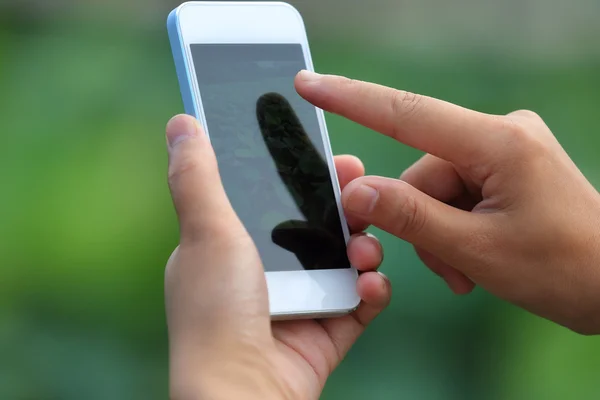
236 63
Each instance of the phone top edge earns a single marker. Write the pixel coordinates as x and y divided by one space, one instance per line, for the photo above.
284 4
235 3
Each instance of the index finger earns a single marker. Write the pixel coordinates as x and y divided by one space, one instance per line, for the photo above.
445 130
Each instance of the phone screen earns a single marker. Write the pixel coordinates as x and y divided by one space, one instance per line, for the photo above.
270 153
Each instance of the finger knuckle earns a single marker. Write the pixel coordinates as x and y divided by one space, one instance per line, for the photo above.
515 129
523 140
184 166
405 105
527 115
411 216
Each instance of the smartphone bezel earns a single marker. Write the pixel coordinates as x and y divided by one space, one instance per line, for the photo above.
292 294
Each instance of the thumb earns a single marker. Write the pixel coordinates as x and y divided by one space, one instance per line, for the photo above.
202 206
400 209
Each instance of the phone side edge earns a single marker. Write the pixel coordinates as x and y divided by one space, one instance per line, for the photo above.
313 314
179 57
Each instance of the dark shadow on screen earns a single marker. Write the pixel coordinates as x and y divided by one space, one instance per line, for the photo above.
317 242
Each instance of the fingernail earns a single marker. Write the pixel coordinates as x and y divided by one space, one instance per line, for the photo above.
386 280
362 200
377 243
309 76
180 128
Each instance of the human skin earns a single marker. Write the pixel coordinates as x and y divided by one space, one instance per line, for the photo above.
222 343
496 201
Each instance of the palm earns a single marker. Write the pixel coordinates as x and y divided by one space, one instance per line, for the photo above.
309 350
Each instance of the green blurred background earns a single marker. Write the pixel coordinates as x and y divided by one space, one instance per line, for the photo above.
86 223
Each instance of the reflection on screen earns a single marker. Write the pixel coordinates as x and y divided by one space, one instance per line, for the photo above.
270 153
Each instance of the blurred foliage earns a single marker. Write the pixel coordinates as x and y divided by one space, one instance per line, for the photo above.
87 225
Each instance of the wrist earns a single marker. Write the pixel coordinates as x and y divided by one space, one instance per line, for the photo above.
228 388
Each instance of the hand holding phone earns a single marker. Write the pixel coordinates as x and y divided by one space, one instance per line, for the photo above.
236 63
222 343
